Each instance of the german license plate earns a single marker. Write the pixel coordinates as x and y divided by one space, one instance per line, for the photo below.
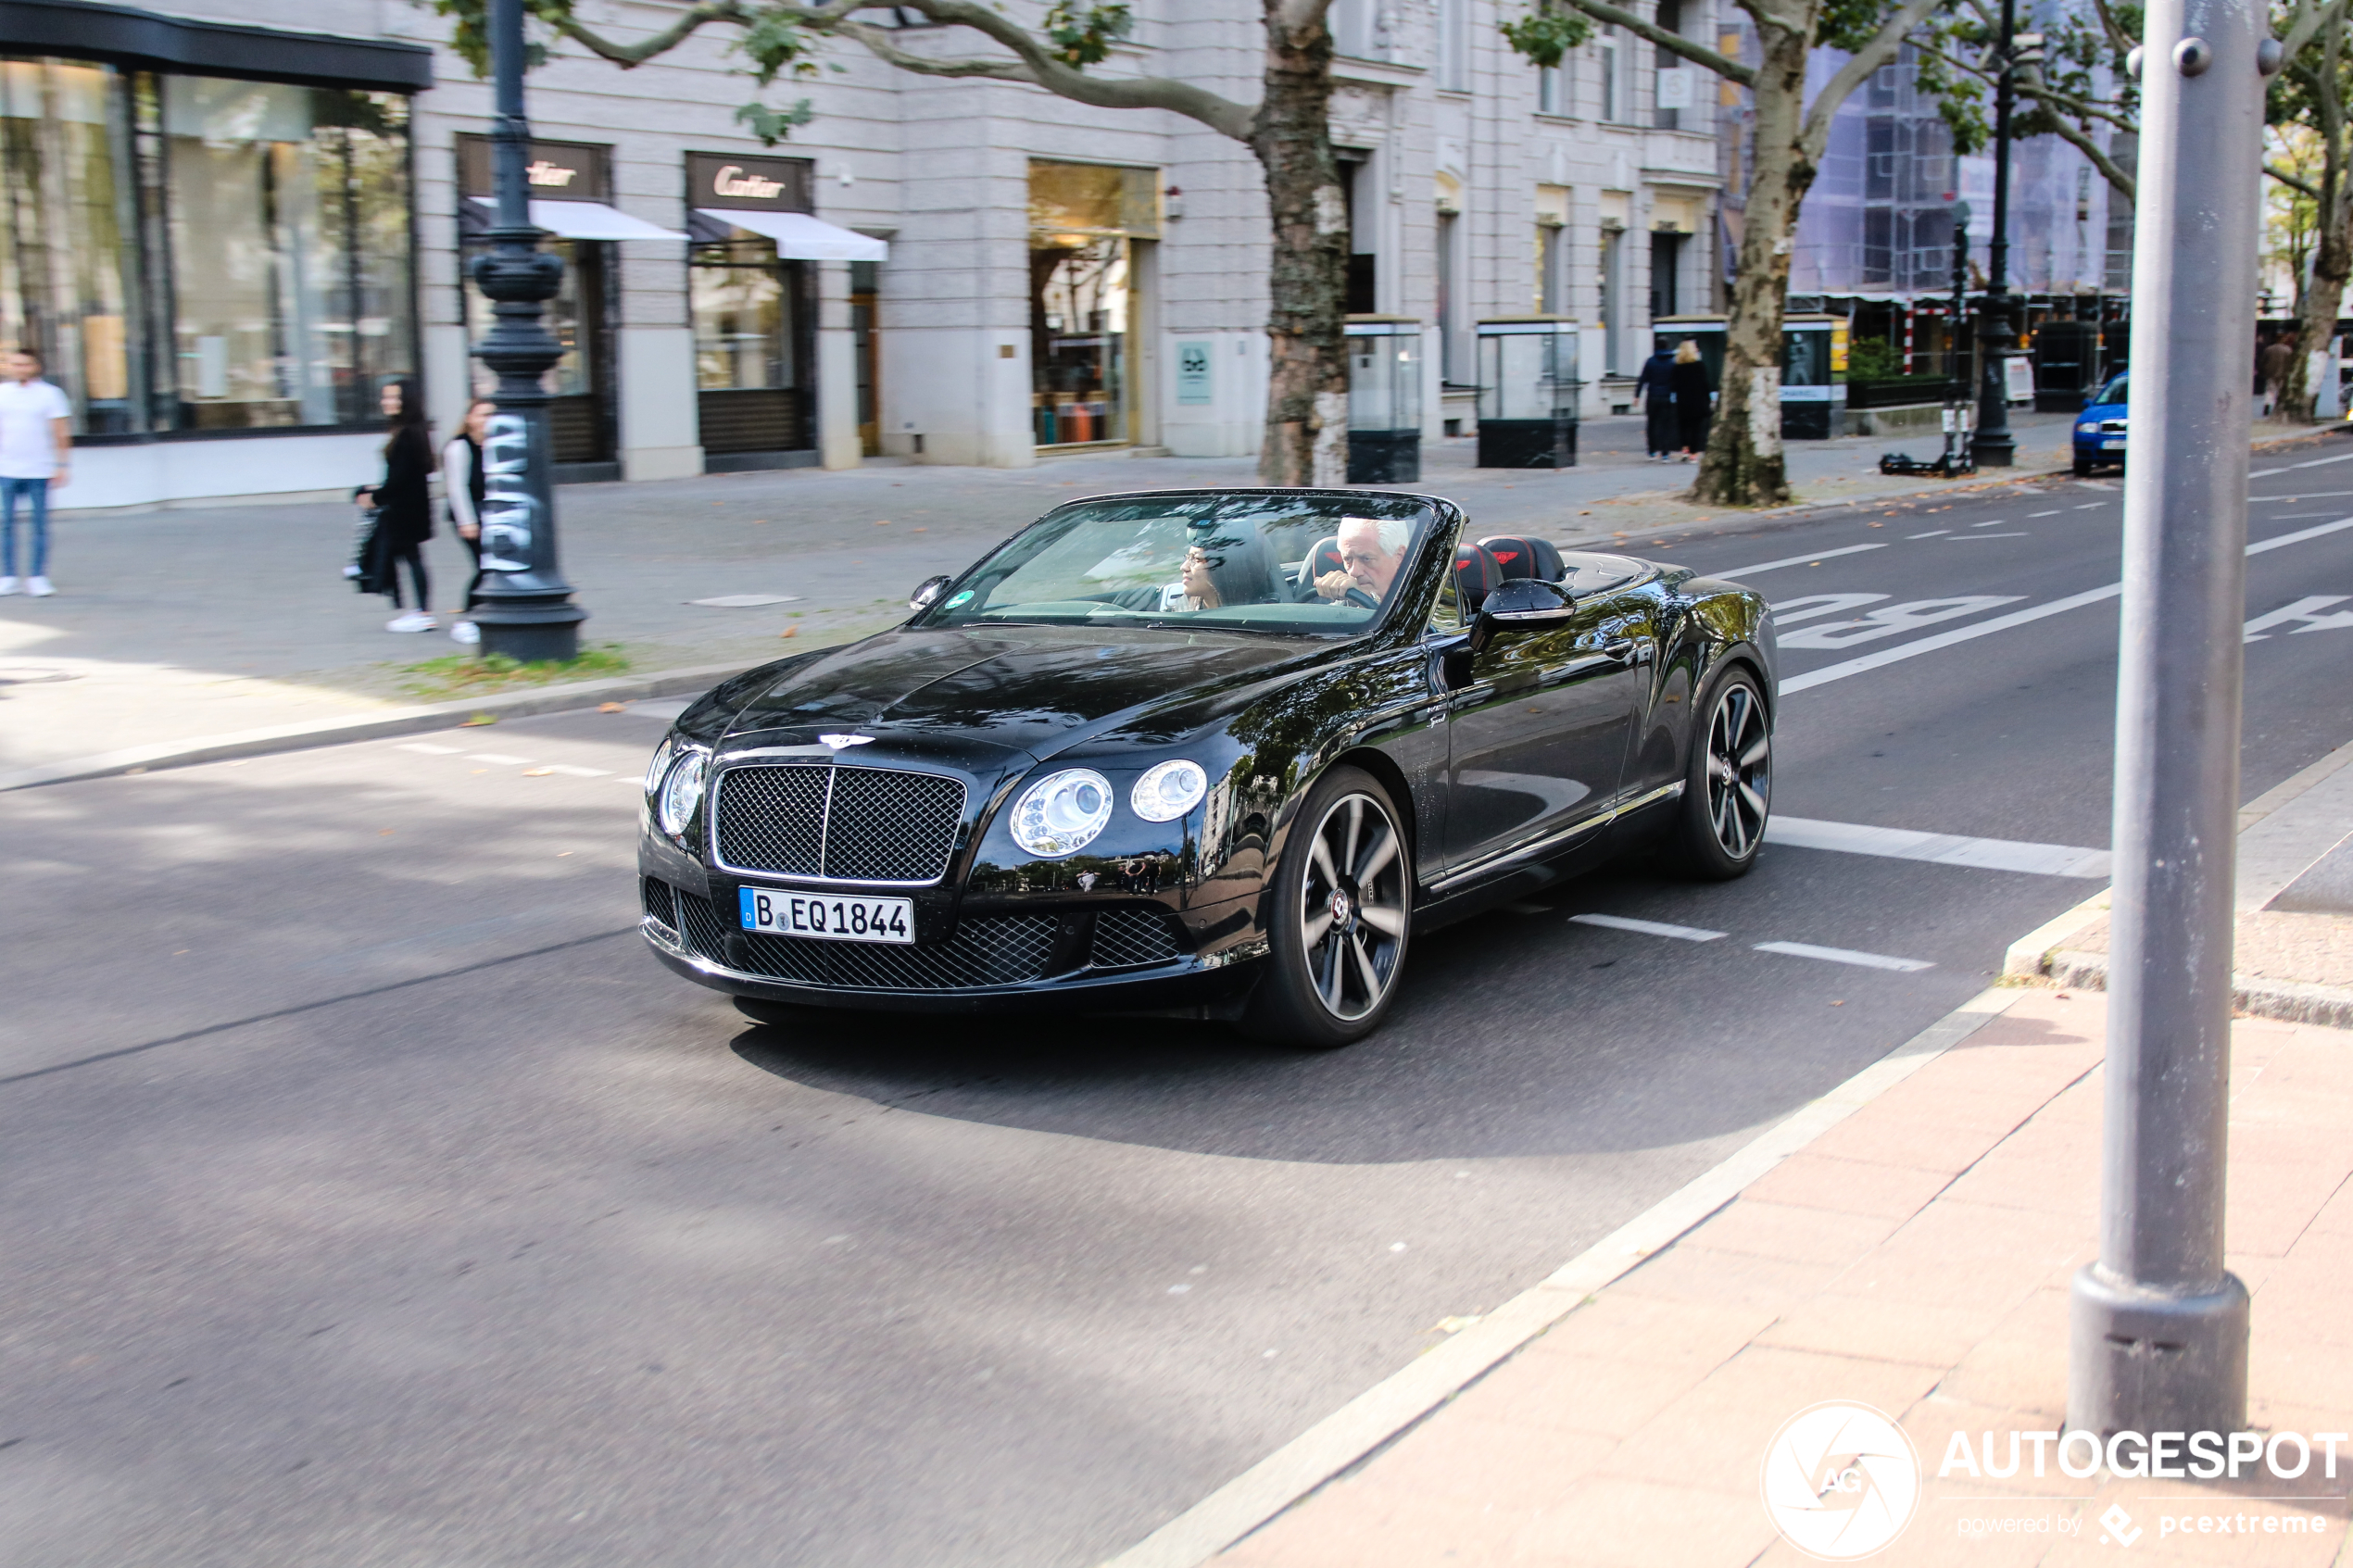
837 918
2113 443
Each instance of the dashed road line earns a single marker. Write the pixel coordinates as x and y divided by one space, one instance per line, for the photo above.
1929 534
1794 560
1650 927
2316 462
1846 956
429 750
2091 506
1967 538
1938 848
499 757
2052 512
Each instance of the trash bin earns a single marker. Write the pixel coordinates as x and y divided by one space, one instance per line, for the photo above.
1384 401
1527 391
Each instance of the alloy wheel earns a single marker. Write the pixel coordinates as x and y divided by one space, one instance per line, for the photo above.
1354 905
1739 771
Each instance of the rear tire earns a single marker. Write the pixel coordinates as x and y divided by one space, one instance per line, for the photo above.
1728 782
2082 467
1340 913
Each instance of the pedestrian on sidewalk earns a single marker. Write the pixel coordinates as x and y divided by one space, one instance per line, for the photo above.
1695 399
1655 388
36 451
404 505
2271 366
461 482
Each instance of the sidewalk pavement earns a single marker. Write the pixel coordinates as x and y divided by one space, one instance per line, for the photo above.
1905 1243
189 624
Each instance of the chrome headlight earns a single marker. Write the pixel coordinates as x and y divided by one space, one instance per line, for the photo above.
2089 427
1062 814
1168 790
660 763
682 792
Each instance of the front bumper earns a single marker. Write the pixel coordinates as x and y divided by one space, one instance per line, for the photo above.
1007 955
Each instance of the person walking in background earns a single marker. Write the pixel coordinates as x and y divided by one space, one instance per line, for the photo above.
2271 366
1655 388
404 505
461 481
36 451
1694 400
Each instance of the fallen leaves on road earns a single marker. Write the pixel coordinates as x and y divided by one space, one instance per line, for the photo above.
537 772
789 632
478 721
612 707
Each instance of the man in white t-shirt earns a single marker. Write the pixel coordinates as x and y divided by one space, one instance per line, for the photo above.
36 450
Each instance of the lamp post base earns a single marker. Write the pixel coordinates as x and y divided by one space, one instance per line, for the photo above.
531 634
1993 454
2153 1361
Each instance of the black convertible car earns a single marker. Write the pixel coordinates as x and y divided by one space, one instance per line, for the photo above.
1216 752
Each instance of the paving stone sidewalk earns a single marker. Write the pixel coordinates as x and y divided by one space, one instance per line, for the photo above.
1915 1259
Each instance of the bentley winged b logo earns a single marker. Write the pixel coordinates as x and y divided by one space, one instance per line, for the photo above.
841 743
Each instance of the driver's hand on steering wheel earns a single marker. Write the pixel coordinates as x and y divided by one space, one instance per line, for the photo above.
1334 585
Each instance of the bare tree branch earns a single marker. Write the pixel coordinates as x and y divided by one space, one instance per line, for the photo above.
630 55
1675 44
2110 170
1815 134
2308 18
2292 182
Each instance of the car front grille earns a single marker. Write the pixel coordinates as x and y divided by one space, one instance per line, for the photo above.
1134 936
660 908
842 824
987 950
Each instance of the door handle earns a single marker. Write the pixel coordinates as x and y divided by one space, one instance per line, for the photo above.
1623 649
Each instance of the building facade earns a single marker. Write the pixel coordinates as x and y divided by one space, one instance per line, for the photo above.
228 227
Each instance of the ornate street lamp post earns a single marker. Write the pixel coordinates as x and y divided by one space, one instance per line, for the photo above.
1997 330
526 611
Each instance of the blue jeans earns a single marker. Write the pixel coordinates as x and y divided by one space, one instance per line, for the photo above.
36 490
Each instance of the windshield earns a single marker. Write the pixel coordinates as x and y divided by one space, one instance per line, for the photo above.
2112 393
1268 561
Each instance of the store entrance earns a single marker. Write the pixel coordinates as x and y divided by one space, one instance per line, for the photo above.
1083 306
751 311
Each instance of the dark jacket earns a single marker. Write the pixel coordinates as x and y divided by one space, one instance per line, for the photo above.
404 504
1692 406
1656 378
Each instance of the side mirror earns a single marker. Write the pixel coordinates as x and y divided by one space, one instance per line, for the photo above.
926 591
1519 601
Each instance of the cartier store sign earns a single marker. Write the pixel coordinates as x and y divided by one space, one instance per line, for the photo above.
563 171
747 184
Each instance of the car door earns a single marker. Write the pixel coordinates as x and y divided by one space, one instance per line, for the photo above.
1539 729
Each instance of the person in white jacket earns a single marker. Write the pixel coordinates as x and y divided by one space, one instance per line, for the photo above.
461 481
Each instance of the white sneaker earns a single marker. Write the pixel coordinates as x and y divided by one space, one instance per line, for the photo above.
351 571
415 621
38 587
7 586
465 632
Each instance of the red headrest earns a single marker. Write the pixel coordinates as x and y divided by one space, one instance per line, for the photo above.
1323 559
1476 576
1521 555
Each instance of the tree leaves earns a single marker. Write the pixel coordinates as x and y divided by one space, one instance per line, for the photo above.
1545 34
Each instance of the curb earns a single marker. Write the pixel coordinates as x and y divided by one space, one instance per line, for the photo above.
2289 1001
1400 1401
373 726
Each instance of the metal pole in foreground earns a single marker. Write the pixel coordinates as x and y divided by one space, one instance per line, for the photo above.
1994 448
527 611
2158 1329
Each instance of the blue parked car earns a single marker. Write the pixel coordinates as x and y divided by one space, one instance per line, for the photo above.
2099 429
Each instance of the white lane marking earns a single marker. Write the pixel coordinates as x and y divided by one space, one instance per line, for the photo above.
499 757
1844 954
2302 534
2054 512
1794 560
430 751
1855 666
1995 523
1891 620
2291 500
746 601
2291 467
1812 605
2095 484
570 771
1939 849
2259 629
1929 534
1650 927
1967 538
2091 506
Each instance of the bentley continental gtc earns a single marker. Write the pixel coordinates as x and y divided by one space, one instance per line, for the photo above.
1213 753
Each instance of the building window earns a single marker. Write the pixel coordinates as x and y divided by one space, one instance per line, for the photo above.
1083 219
1550 91
748 307
289 233
1613 298
1606 50
1454 45
1673 94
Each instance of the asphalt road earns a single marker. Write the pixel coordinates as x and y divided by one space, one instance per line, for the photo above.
373 1200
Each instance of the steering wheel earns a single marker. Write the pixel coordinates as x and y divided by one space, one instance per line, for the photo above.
1359 597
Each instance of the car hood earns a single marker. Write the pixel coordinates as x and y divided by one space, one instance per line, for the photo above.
1030 689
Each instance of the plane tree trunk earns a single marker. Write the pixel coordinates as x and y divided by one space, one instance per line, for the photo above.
1306 439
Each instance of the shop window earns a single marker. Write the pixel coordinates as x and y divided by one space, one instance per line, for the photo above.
1083 220
289 233
747 307
68 229
580 423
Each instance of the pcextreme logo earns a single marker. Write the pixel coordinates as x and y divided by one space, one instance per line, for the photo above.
1841 1481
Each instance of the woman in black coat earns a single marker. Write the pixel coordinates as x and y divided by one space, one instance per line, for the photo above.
1694 400
404 505
1655 388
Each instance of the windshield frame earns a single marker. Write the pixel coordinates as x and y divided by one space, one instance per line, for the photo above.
1411 594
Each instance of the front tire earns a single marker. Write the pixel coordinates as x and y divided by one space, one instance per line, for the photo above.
1340 912
2082 467
1728 782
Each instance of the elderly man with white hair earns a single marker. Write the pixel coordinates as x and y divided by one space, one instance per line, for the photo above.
1370 553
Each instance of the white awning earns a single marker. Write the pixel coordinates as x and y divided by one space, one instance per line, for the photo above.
588 220
802 238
